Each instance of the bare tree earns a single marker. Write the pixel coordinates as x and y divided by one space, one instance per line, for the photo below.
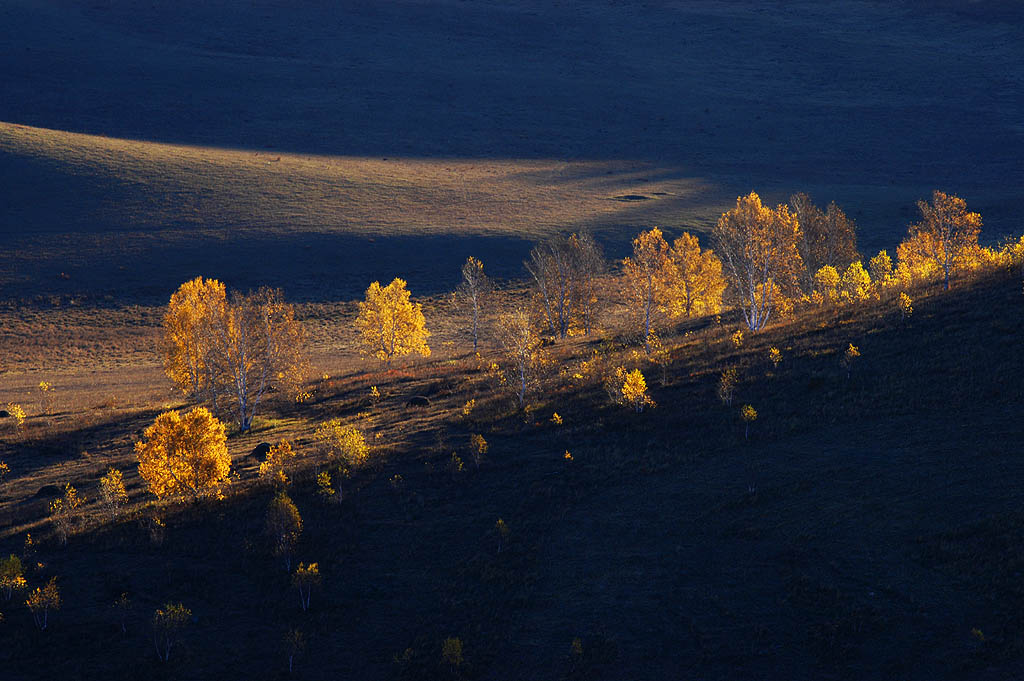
472 294
827 238
520 343
590 265
253 344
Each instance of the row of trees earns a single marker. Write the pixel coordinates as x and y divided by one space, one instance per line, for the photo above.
766 261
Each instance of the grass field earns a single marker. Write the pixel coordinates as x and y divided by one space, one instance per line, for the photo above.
867 526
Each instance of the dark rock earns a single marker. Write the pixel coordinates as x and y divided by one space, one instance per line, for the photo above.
4 414
260 451
418 401
48 492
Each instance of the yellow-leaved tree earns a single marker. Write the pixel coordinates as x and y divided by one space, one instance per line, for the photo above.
758 246
390 324
238 349
650 278
520 344
186 334
855 284
184 455
947 232
698 283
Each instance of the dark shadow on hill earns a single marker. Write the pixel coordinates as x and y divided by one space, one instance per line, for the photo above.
754 91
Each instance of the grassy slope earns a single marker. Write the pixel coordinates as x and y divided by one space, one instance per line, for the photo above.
864 529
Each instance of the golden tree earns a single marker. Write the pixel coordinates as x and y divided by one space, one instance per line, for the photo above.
112 492
272 468
947 232
906 305
698 283
634 391
650 277
855 284
64 512
184 454
826 285
758 246
283 527
520 343
390 324
41 601
167 625
472 294
238 349
186 331
748 415
12 576
341 445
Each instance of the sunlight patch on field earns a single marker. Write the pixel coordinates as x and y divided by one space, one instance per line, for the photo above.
140 186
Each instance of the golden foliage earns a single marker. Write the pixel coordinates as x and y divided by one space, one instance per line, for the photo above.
827 238
748 413
905 304
826 284
324 486
946 234
240 349
186 326
272 468
304 579
727 386
167 625
855 284
849 357
650 278
112 492
341 443
17 413
758 246
775 356
697 282
64 512
390 324
42 600
12 576
634 391
737 338
184 454
451 652
880 269
283 526
5 470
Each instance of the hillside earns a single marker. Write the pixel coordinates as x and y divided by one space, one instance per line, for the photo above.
864 529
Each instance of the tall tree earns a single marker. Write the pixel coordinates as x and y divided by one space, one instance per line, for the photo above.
946 233
650 276
238 349
520 343
590 265
472 293
553 268
390 324
758 246
698 283
827 238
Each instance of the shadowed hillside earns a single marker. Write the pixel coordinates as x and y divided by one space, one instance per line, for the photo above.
869 104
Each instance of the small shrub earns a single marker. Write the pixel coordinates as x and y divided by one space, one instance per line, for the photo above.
451 653
774 356
272 468
478 445
503 532
12 576
737 338
634 391
113 493
906 305
727 386
64 512
324 487
849 357
748 415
